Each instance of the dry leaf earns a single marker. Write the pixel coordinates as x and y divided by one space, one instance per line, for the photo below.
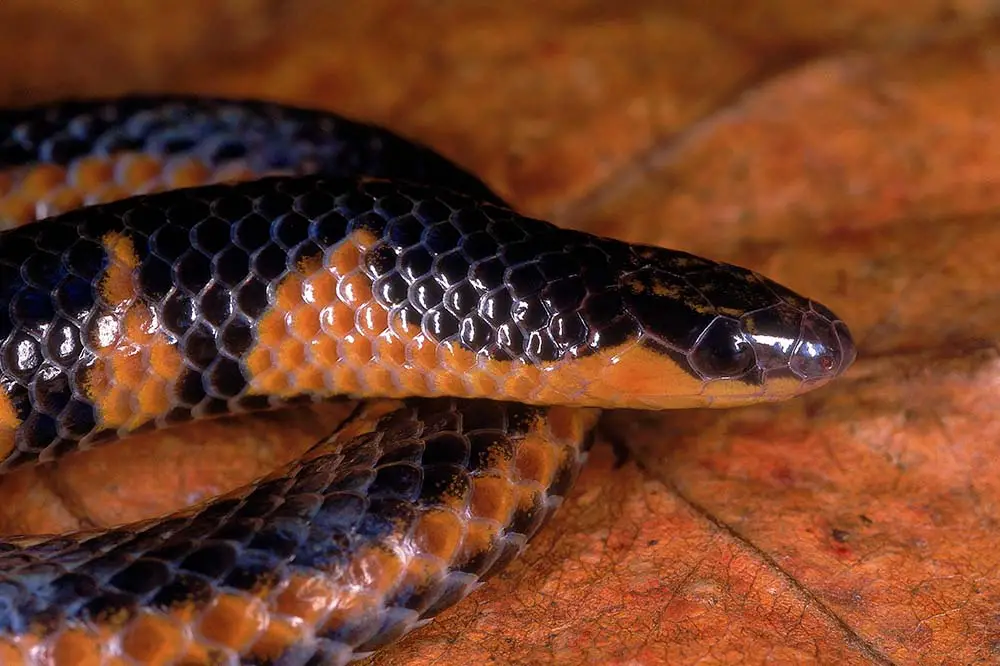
851 153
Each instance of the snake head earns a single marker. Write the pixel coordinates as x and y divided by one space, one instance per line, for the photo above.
784 349
717 335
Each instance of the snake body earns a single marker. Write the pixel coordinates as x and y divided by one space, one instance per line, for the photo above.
206 257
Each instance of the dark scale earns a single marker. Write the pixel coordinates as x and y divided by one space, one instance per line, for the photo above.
441 325
462 299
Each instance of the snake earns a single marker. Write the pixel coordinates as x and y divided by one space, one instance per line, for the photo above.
172 259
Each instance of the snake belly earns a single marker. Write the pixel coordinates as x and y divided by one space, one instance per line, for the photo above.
202 257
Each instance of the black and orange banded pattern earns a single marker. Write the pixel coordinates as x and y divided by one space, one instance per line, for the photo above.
65 155
483 340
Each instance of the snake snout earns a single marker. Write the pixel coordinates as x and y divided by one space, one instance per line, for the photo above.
812 345
825 347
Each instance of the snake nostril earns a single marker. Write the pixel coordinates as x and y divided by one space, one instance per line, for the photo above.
826 362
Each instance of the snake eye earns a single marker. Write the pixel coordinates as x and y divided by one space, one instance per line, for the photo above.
722 351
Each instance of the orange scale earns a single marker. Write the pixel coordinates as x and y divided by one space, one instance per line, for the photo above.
375 569
390 349
520 385
319 286
109 193
233 171
75 647
11 654
114 406
438 533
412 381
378 379
288 295
309 598
452 356
271 329
127 367
304 323
422 573
272 380
483 382
186 173
571 424
537 460
17 211
421 352
527 496
91 173
493 498
154 398
279 636
62 200
353 347
362 240
352 610
479 538
372 319
338 319
234 621
259 362
445 382
165 361
310 378
291 354
347 379
140 323
154 639
135 170
355 289
38 181
327 353
197 654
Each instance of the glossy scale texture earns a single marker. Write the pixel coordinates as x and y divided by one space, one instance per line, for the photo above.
417 289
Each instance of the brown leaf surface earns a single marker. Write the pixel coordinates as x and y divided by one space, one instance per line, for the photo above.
851 152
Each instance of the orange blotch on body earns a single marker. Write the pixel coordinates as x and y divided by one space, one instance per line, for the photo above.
136 365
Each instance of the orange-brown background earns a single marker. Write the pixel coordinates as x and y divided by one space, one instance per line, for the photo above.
852 152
